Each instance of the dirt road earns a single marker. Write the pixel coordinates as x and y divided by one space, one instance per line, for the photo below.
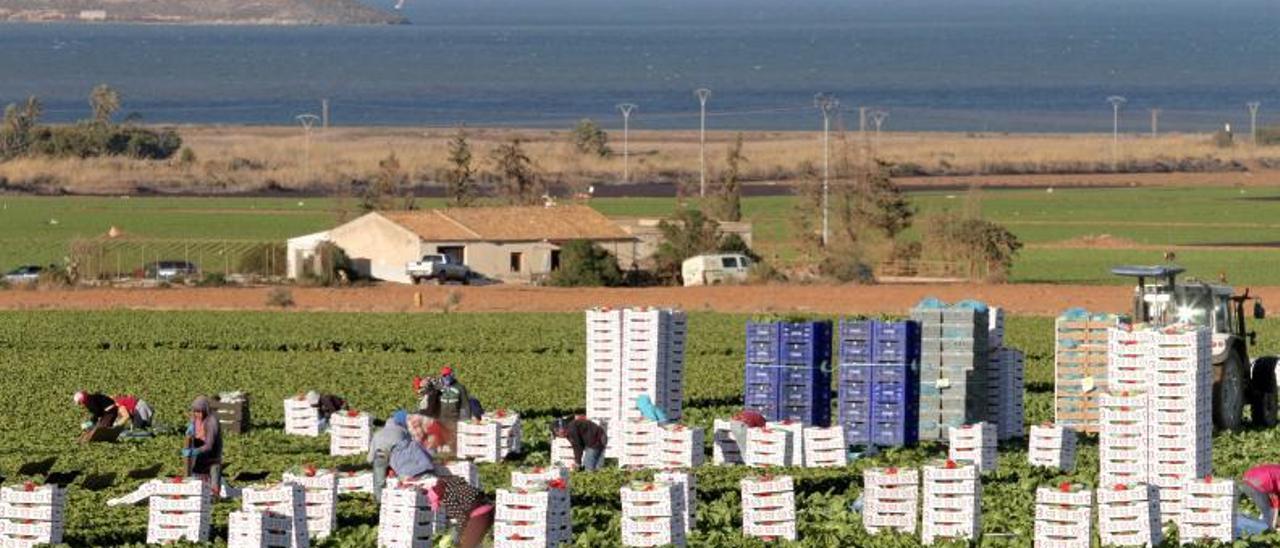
1018 299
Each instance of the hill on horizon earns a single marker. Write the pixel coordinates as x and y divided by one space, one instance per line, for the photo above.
249 12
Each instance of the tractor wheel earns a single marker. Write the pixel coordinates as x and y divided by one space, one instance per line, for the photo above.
1228 394
1263 384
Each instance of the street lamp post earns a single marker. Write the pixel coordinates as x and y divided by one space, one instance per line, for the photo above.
828 105
703 94
1116 102
1253 121
626 109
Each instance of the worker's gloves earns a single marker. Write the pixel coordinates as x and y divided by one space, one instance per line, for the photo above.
191 429
188 453
86 425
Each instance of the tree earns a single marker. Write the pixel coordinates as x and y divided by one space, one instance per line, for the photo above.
807 218
460 177
519 183
104 101
727 204
389 183
687 233
987 247
19 122
883 206
585 264
588 138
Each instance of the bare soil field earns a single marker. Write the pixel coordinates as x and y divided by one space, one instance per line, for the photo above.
1031 299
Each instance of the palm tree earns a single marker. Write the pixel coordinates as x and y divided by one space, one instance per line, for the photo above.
105 101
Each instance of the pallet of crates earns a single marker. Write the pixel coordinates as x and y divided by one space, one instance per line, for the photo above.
651 339
825 447
1080 368
536 516
525 478
653 514
681 447
300 418
1064 517
1180 399
641 442
974 444
1208 511
258 529
31 515
179 510
952 503
953 361
891 500
1005 392
1123 447
350 433
769 507
1052 446
405 519
724 447
686 483
285 500
805 383
1129 515
604 367
320 492
768 447
480 440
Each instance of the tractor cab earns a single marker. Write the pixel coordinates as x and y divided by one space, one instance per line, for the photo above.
1160 299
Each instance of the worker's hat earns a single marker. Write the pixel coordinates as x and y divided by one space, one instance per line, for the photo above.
446 371
80 397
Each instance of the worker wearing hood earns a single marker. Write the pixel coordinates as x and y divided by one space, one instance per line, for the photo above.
385 440
205 450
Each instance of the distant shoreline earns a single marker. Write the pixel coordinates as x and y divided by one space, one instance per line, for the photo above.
198 12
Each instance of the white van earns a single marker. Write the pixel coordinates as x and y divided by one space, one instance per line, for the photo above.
715 269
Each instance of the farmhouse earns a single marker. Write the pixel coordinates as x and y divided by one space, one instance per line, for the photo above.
514 244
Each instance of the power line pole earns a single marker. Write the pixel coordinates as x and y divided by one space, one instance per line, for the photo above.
1116 101
827 104
307 120
878 117
862 121
703 94
324 113
626 109
1155 123
1253 121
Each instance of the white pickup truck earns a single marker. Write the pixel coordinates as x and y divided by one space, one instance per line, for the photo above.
438 268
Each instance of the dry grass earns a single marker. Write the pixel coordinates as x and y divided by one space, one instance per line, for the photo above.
236 159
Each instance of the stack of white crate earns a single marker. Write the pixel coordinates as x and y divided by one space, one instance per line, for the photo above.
604 366
1180 401
1052 446
1005 387
890 500
1064 517
681 447
300 418
255 529
653 514
349 433
724 447
321 494
1208 511
768 447
355 482
405 519
511 437
952 502
31 515
285 499
825 447
1122 439
796 429
641 443
562 452
687 484
769 507
1129 515
540 475
180 510
653 360
534 517
975 444
480 440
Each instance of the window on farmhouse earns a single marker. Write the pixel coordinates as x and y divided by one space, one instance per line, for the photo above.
516 260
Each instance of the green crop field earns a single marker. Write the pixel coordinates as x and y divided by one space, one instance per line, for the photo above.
1145 221
531 363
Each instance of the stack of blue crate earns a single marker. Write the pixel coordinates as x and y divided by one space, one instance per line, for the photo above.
879 382
788 371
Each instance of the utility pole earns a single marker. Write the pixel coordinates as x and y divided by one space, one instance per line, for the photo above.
1253 121
703 94
827 104
626 109
1116 102
878 117
307 120
862 121
1155 123
324 113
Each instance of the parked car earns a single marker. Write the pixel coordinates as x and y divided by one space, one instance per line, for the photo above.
168 270
715 269
438 268
27 274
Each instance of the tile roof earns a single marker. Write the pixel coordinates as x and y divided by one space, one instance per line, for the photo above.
511 224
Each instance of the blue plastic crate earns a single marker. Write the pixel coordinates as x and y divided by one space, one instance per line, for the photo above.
805 331
856 330
796 393
854 373
857 433
797 375
762 352
895 355
893 374
762 374
761 397
804 353
856 352
854 390
902 332
848 409
770 411
806 415
891 393
763 332
889 434
889 413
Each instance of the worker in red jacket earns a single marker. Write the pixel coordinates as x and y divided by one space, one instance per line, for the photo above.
1262 485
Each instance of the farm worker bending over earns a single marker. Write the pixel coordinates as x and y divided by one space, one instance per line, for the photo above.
649 410
1262 485
587 438
409 457
747 418
384 441
135 412
327 404
205 451
102 409
464 504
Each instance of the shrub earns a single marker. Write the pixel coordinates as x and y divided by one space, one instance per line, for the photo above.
762 272
280 297
187 157
331 266
212 279
1269 135
586 264
984 245
588 138
846 268
1222 139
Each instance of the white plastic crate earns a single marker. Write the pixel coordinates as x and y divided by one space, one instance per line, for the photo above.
974 443
532 517
681 447
891 499
1129 515
1052 446
768 447
825 447
179 510
511 435
285 499
530 477
687 485
640 443
768 507
796 428
1064 516
479 440
1208 510
355 482
350 433
952 502
32 515
653 514
321 494
724 448
562 453
300 418
405 519
257 529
